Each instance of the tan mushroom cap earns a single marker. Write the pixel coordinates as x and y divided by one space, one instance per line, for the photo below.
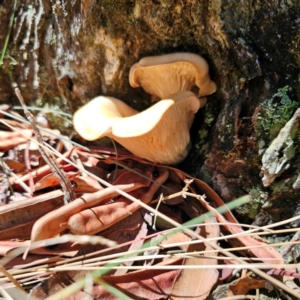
97 118
159 134
165 75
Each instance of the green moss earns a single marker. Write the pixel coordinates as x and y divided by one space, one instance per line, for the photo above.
53 107
210 114
228 128
260 198
273 114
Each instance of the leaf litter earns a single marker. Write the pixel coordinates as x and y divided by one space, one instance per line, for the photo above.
146 260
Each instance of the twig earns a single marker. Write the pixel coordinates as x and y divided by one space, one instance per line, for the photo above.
11 278
183 193
56 169
17 179
186 187
28 166
161 198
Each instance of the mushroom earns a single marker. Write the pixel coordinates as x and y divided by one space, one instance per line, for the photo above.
159 134
96 119
165 75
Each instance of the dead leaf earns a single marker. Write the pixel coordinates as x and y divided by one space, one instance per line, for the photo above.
5 108
178 237
55 221
262 251
243 285
154 287
7 246
42 171
52 180
86 184
167 211
99 218
122 232
10 139
14 123
137 244
193 283
17 218
126 176
115 225
14 165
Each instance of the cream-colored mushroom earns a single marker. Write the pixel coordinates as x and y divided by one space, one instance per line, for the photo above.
165 75
159 134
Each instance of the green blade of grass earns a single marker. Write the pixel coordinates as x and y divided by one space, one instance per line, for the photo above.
8 34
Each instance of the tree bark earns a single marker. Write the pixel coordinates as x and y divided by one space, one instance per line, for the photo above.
63 53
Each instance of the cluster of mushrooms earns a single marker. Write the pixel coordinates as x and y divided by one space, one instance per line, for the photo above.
178 84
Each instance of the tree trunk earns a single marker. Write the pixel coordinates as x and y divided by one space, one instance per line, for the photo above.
63 53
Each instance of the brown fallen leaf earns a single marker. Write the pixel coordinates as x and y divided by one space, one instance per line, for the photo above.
154 287
167 211
31 260
7 246
21 231
42 171
14 165
200 187
99 218
176 175
51 180
245 284
17 218
261 252
55 221
193 283
14 123
178 237
266 254
10 139
122 232
86 184
126 176
137 244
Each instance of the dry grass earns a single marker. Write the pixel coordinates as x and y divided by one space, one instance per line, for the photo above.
21 278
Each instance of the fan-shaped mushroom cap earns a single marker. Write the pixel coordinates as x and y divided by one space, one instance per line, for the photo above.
159 134
97 118
165 75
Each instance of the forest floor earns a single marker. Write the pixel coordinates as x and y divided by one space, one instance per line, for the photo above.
82 222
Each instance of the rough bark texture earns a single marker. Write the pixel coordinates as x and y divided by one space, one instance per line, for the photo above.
63 53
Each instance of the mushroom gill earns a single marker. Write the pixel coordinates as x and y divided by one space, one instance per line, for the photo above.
165 75
159 134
